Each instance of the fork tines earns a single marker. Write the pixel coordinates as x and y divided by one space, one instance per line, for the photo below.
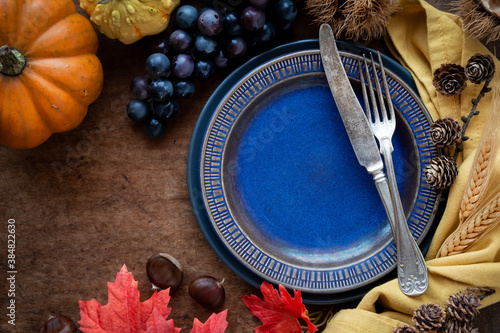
373 115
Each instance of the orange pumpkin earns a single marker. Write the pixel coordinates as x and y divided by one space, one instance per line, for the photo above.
49 72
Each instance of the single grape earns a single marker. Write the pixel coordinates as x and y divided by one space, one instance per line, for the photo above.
253 18
231 24
181 41
158 65
266 34
183 89
162 89
160 46
221 59
210 23
259 3
204 69
182 66
140 87
138 110
165 110
155 128
285 11
205 47
186 17
236 47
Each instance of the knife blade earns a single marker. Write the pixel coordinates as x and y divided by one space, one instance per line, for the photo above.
351 112
368 154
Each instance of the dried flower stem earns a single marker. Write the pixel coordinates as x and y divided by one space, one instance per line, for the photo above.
472 113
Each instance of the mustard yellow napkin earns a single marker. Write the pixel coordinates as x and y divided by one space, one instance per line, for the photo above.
423 38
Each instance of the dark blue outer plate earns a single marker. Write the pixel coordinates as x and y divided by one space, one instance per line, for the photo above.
311 261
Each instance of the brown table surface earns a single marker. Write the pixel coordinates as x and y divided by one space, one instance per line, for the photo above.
122 198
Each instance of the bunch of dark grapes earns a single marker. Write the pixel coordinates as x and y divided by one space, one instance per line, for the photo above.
200 42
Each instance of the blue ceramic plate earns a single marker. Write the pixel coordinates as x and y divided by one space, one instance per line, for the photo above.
281 188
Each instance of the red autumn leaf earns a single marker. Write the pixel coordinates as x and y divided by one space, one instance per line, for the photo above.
157 324
278 314
215 324
124 312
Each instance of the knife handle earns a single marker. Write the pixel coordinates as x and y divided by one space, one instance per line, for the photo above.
411 267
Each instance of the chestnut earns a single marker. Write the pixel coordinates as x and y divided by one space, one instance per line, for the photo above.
58 324
207 291
164 271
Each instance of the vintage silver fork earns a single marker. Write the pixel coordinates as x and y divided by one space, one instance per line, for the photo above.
412 270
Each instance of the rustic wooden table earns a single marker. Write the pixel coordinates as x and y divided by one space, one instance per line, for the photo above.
103 195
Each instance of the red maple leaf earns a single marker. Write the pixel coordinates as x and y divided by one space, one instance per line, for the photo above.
215 324
124 312
157 324
278 314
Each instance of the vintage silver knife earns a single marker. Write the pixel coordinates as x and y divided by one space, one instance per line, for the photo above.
411 268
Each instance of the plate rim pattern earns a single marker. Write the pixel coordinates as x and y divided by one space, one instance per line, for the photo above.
224 117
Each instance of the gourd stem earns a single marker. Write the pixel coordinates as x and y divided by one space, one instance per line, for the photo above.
12 61
103 2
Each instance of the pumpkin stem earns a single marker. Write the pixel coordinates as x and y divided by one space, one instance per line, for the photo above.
103 2
12 61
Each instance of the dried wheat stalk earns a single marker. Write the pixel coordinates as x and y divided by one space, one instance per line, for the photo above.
478 180
473 229
483 162
477 217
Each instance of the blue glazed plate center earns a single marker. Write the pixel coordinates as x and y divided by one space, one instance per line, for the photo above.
296 186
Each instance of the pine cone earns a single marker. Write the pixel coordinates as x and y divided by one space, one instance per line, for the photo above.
456 327
462 307
428 318
441 172
480 68
450 79
405 329
446 132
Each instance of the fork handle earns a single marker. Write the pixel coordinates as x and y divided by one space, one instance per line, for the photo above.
412 270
